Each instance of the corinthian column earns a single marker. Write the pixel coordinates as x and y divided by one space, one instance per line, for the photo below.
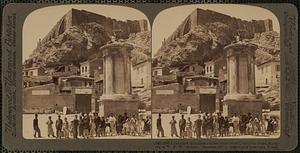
128 74
233 70
108 75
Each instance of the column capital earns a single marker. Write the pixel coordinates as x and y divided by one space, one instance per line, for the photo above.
116 48
240 48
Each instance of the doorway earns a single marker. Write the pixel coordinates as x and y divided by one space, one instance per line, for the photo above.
83 103
208 103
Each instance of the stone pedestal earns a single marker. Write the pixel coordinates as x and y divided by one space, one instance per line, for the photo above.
241 97
117 95
119 104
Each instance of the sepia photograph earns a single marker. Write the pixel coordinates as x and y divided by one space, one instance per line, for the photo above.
160 76
86 73
216 73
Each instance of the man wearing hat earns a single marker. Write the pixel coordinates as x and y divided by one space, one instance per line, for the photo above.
58 126
160 129
198 125
36 126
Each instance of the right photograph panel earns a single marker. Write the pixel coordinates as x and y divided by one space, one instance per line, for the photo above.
216 73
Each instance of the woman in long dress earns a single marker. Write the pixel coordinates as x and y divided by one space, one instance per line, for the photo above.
50 128
113 127
140 126
132 126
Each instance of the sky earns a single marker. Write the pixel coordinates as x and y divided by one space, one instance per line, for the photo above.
167 21
39 23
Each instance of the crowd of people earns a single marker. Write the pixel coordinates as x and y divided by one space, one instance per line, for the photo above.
209 125
92 125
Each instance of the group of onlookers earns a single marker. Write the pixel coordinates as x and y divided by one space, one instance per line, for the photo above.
216 125
92 125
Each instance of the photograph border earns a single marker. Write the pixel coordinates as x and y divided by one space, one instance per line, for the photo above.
13 18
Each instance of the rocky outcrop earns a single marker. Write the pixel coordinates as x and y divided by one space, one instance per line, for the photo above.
268 45
78 43
79 34
75 17
200 38
71 47
246 29
141 43
188 49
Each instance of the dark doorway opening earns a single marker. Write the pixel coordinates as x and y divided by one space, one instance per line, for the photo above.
208 103
83 103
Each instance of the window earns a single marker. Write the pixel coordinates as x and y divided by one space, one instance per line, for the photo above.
210 67
31 73
266 81
142 81
86 69
155 72
82 69
26 73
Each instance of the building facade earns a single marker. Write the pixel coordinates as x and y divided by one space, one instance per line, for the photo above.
33 71
88 68
64 70
198 92
159 71
73 92
268 73
141 75
209 68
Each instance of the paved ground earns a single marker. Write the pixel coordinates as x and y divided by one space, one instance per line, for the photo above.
28 127
166 118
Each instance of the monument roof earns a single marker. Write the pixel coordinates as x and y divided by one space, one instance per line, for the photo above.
240 44
117 44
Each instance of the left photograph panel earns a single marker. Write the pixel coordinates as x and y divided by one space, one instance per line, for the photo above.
86 73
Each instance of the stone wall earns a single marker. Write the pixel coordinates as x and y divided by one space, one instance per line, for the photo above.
202 17
41 102
169 97
76 17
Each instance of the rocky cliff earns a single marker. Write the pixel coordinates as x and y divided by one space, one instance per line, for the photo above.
78 43
74 17
141 42
79 34
243 28
200 38
72 46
